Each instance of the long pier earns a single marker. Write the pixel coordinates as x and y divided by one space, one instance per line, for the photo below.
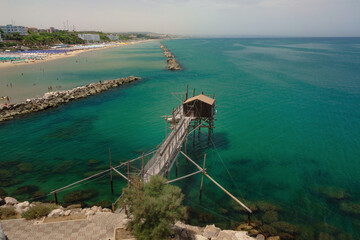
191 115
167 153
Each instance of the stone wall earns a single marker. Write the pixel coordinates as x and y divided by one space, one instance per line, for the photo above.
171 61
54 99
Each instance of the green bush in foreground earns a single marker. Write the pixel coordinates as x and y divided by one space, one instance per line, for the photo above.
155 206
39 211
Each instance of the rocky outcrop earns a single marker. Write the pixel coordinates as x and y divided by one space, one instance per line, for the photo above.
210 232
171 61
54 99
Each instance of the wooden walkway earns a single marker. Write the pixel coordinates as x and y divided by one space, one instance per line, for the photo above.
167 153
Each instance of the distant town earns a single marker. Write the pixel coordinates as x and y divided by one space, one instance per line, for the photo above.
17 38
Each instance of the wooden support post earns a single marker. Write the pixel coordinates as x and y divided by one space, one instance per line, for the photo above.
166 133
187 91
194 133
128 173
56 199
176 168
112 208
209 133
142 167
249 221
202 178
111 177
186 139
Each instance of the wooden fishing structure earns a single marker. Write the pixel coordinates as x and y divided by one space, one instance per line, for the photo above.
190 116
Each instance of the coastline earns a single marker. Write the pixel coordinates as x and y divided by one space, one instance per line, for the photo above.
53 57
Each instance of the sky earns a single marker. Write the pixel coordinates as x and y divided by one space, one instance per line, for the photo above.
288 18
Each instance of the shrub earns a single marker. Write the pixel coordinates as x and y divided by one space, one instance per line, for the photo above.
39 211
155 206
7 212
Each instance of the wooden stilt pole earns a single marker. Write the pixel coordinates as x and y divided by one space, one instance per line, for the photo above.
111 177
176 168
128 173
202 178
186 139
56 199
166 133
194 134
187 91
217 184
112 208
209 133
142 167
249 221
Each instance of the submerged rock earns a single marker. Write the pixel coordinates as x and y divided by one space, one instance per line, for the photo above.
25 167
270 216
285 227
332 192
351 208
286 236
93 162
80 196
39 195
26 190
104 204
3 193
325 236
345 236
267 229
266 206
9 182
5 174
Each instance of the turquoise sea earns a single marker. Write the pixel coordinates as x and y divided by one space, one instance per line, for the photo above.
287 127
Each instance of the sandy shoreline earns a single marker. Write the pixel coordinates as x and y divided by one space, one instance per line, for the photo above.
52 57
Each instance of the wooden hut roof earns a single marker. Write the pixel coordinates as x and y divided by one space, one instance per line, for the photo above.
201 98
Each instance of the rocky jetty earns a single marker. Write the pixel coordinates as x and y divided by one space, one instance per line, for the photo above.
171 61
56 98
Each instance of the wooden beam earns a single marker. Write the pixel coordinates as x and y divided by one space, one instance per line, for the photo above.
120 174
186 176
111 178
202 178
217 184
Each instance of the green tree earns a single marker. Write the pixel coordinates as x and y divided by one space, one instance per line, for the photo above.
1 33
154 206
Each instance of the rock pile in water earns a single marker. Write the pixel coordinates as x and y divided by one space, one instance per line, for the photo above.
54 99
171 62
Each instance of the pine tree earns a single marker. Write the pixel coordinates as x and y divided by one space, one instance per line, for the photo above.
154 207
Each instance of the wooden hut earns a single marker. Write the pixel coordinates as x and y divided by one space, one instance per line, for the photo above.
200 106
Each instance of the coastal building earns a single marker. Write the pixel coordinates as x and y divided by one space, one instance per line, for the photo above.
14 29
113 37
52 30
90 37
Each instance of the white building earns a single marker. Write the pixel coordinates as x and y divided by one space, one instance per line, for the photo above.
90 37
113 37
14 29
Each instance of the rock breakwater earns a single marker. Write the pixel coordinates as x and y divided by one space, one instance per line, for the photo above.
56 98
171 61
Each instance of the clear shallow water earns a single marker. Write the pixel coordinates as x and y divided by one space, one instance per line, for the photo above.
287 125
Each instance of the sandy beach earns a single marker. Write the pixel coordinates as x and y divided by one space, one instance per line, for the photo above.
52 57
